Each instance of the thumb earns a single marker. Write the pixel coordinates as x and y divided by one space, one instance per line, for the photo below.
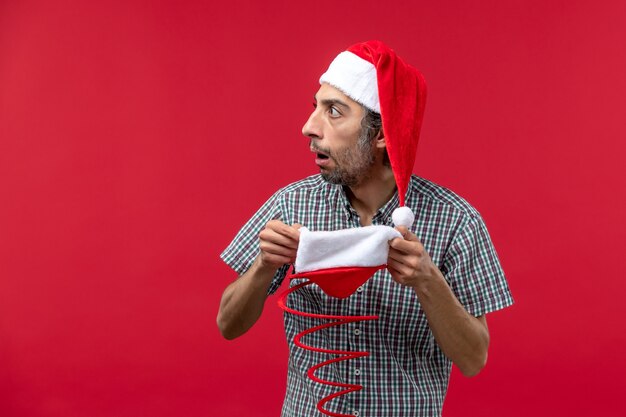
403 230
296 226
406 234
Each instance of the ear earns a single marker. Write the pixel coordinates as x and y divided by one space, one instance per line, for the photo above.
379 140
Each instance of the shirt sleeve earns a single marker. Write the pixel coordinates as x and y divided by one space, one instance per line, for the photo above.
473 270
243 250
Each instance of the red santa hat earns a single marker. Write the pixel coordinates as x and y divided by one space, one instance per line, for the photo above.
373 75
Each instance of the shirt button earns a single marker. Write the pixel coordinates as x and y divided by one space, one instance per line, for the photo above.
356 413
357 331
360 289
357 372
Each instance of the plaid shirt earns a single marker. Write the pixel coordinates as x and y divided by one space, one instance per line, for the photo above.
406 373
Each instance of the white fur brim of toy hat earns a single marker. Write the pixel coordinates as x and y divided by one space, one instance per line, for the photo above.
358 247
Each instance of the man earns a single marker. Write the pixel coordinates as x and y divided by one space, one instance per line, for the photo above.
442 276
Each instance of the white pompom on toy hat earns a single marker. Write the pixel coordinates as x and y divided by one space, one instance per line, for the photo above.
403 216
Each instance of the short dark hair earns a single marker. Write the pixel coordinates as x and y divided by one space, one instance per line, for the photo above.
372 123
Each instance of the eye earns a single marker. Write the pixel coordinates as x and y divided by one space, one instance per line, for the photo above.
332 110
314 105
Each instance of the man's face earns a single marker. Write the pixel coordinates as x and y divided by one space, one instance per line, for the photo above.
342 150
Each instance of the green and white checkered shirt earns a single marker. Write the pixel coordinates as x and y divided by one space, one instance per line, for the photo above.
406 373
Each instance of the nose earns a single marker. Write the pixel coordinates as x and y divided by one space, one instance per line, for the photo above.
312 128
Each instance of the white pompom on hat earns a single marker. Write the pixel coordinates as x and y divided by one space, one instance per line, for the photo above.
373 75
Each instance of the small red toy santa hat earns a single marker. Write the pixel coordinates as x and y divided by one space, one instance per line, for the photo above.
373 75
340 261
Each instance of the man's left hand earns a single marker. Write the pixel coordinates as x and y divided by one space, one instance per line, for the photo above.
409 263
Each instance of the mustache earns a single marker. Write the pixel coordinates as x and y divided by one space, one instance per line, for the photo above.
316 148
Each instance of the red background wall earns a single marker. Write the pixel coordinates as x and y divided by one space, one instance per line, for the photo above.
137 137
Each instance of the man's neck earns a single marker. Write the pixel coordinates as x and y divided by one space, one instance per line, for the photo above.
369 196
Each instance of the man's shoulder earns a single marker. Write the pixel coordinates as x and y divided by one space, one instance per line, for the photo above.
424 189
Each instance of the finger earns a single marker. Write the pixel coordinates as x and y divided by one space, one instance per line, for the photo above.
414 248
283 229
407 264
406 234
402 229
276 260
399 270
393 272
391 267
396 255
393 264
274 249
402 246
268 235
296 226
410 237
396 243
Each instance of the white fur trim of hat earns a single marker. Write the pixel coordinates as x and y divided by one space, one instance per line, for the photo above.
355 77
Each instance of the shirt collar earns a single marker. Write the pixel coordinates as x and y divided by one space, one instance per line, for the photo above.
343 203
382 216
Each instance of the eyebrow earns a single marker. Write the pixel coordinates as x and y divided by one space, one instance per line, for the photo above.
332 101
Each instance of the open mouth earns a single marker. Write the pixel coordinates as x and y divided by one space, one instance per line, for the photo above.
321 158
319 153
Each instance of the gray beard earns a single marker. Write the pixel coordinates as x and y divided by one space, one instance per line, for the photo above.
358 161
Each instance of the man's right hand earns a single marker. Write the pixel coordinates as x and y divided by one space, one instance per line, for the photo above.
279 244
243 300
